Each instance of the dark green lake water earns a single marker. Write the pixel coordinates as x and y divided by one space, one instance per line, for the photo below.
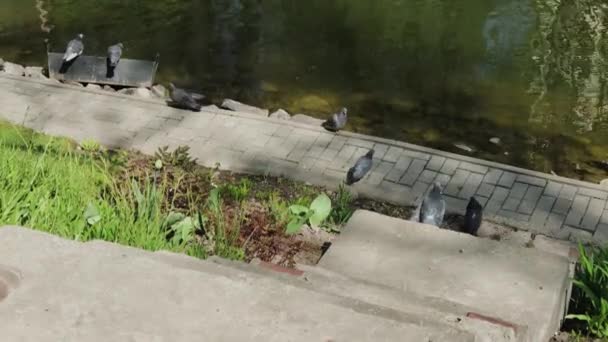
431 72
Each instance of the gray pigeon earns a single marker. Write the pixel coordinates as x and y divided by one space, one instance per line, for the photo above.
114 54
432 209
360 169
337 121
184 99
473 217
74 49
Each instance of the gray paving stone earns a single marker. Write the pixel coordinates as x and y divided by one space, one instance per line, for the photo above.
529 201
457 182
449 166
395 175
297 153
427 176
473 167
436 163
410 177
514 215
531 180
601 233
307 163
393 154
417 155
315 152
455 205
579 207
323 140
554 222
283 131
329 154
485 189
511 204
593 214
482 200
542 211
507 179
470 186
562 205
380 150
340 162
553 189
337 143
379 172
420 189
403 162
593 193
367 144
604 218
568 192
495 203
518 190
493 176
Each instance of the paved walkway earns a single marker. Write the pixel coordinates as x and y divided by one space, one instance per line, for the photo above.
554 206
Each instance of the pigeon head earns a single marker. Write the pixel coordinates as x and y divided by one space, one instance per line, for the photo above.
344 111
370 154
120 45
80 36
437 188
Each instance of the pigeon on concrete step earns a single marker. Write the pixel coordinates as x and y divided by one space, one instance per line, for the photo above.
432 209
114 54
473 217
337 121
184 99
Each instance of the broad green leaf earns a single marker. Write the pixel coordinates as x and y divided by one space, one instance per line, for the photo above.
579 317
172 219
184 231
295 225
321 208
91 214
298 209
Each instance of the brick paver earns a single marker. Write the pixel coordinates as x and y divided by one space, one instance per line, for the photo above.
402 173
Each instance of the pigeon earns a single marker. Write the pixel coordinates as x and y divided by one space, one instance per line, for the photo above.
360 169
432 209
114 53
184 99
74 49
473 217
337 121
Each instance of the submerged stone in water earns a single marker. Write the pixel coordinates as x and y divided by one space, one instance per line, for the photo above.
495 140
464 148
241 107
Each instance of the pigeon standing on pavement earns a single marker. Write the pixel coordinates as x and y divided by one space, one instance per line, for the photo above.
183 99
360 169
432 209
473 217
337 121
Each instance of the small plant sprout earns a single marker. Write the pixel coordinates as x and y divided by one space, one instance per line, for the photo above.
314 215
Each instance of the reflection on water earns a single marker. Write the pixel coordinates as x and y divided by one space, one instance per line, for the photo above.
432 72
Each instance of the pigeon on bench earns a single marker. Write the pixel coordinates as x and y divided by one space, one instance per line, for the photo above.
114 54
74 49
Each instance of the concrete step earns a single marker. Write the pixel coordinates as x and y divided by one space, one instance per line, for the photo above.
63 290
522 288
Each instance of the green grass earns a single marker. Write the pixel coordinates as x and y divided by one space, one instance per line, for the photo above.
589 308
47 185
